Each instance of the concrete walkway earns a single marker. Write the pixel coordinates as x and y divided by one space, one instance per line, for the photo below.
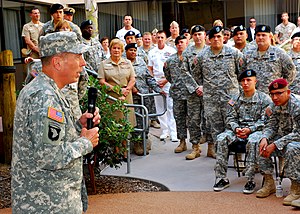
177 173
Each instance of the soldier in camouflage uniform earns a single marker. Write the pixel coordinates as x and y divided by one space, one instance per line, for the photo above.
269 62
244 123
95 55
217 67
48 142
176 71
281 136
143 52
295 55
143 82
56 11
198 44
239 36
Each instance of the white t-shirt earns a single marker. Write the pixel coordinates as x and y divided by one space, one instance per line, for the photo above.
121 33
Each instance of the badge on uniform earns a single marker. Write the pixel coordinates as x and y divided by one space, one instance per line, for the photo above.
53 131
55 114
231 102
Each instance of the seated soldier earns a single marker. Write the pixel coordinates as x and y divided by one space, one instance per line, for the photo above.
282 136
244 121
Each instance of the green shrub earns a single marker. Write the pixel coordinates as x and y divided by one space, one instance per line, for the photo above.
113 133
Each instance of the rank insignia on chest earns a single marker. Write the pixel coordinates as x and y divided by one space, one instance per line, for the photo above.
231 102
55 114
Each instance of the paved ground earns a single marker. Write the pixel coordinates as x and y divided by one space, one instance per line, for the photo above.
190 183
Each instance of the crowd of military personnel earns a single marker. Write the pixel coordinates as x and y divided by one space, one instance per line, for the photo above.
223 86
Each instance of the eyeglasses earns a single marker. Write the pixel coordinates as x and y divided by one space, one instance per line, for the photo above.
252 21
277 94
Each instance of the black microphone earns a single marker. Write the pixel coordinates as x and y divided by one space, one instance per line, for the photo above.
92 97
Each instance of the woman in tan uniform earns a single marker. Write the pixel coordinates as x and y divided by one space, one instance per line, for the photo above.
118 71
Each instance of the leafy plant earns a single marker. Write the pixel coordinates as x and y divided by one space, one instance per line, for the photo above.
113 133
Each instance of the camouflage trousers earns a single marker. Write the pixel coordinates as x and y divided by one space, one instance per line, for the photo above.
291 155
223 141
205 128
215 115
187 114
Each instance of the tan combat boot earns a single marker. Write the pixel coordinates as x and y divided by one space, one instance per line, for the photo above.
138 149
181 147
294 194
195 153
211 150
268 187
148 145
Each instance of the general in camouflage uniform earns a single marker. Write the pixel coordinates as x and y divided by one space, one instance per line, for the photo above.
48 142
143 83
281 136
295 55
182 90
269 62
217 67
73 92
244 122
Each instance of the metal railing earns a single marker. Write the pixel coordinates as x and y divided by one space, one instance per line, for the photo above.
145 119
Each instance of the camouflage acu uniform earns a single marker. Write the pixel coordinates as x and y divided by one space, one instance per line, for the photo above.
273 64
295 86
197 104
95 55
182 90
242 112
283 129
143 83
141 52
48 27
47 151
218 73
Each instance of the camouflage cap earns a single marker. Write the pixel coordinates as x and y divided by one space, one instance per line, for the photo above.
61 42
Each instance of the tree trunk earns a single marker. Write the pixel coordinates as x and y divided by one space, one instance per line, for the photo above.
7 101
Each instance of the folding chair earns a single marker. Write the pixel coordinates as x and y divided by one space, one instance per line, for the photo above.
235 148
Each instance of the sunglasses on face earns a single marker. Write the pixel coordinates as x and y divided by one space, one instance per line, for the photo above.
252 21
